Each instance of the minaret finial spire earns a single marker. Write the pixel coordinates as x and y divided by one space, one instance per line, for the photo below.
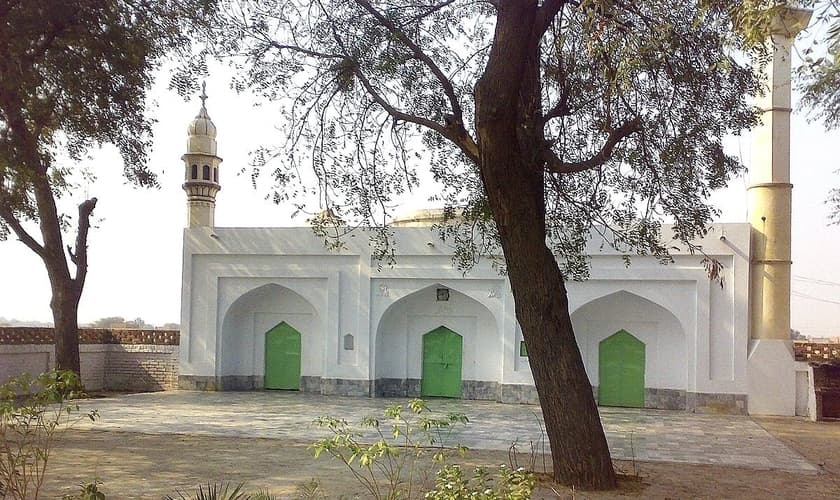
203 95
201 167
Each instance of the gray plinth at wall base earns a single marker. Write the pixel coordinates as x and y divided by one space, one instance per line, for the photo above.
519 394
224 383
526 394
240 382
198 383
410 388
344 387
731 404
310 384
481 390
396 388
664 399
413 388
388 387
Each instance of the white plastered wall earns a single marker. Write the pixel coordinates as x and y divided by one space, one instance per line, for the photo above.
351 295
252 315
224 264
656 327
399 336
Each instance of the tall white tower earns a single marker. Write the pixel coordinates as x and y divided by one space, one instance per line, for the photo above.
771 367
201 169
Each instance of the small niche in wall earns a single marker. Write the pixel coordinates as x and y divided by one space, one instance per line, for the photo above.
523 351
442 294
349 342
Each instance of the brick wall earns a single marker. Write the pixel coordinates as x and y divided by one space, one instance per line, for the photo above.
112 359
141 367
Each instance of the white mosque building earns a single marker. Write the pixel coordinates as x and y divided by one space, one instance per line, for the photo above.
273 308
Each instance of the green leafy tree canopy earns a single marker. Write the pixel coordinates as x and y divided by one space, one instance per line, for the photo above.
74 75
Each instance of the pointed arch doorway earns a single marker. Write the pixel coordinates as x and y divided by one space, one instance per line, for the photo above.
282 358
442 355
621 371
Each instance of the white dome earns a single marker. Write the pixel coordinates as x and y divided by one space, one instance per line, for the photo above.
423 218
202 124
202 134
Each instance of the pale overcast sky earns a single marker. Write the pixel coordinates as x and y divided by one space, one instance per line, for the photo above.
135 250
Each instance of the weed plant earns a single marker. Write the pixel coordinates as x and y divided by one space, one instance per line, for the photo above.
34 412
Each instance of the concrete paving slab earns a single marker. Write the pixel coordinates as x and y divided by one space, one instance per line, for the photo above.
647 435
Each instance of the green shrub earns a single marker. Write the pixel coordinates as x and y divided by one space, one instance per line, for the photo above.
508 484
393 465
34 411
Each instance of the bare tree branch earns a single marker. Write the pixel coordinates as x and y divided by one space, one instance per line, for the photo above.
79 255
558 110
455 132
431 9
10 219
558 166
419 54
302 50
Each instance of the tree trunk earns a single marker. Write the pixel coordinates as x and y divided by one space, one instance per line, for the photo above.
579 449
65 309
66 290
508 104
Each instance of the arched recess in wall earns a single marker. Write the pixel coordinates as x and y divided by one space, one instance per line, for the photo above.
666 363
252 315
398 346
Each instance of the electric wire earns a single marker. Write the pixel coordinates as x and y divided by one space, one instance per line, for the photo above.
816 281
811 297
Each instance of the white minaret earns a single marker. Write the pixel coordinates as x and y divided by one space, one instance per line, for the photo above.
771 366
201 169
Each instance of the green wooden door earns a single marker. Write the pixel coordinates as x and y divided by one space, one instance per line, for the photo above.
282 358
442 349
621 371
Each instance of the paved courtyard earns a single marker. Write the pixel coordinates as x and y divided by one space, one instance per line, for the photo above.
646 435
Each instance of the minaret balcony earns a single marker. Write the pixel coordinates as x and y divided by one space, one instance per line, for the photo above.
200 188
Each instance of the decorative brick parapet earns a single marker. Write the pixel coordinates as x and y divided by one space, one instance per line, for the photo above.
16 335
129 337
817 354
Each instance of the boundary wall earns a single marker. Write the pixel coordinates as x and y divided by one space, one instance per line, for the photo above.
111 359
